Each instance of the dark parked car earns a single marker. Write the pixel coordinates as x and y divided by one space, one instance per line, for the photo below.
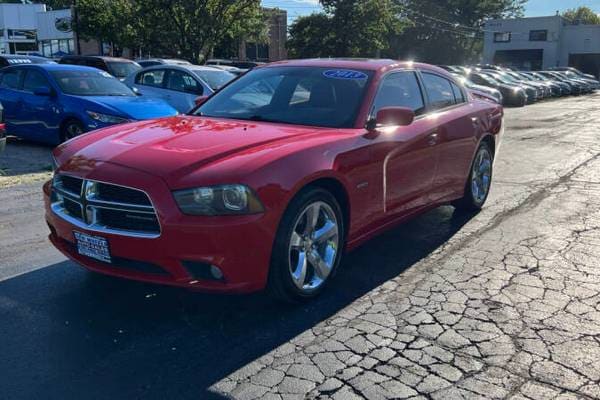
552 88
577 86
513 95
17 59
573 70
565 89
491 92
533 93
120 68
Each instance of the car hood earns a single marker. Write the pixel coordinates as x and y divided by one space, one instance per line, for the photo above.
172 148
135 108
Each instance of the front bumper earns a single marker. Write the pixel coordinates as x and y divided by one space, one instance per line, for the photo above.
240 246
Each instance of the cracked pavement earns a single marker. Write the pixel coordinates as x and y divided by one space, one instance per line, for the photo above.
501 305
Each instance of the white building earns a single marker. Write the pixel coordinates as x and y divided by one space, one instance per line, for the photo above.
55 33
542 42
31 28
18 25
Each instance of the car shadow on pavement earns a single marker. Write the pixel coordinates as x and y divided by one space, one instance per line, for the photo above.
67 333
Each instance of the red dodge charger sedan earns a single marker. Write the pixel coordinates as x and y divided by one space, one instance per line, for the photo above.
269 181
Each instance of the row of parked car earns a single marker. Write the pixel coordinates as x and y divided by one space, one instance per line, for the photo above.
519 88
51 102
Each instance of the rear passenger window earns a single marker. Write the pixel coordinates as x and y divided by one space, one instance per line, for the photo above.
400 89
439 90
153 78
459 95
11 79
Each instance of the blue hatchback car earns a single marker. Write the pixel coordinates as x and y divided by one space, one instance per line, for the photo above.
51 103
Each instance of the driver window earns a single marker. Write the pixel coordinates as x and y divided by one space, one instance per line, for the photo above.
182 82
34 80
400 89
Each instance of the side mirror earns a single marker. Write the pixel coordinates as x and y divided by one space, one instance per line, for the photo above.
43 91
136 91
392 116
200 100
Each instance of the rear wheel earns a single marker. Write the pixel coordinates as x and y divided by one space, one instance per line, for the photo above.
70 129
480 180
308 247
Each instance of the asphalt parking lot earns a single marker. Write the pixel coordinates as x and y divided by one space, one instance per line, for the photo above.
504 304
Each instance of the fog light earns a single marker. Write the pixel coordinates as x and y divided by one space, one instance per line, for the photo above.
216 272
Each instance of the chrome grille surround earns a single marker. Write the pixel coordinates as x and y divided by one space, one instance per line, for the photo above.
80 202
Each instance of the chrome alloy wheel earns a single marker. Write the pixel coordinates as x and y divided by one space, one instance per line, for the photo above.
481 175
313 247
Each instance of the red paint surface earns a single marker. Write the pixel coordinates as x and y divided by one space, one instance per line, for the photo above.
387 177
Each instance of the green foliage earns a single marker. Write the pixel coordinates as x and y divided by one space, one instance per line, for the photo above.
428 30
310 36
184 28
449 31
350 28
582 15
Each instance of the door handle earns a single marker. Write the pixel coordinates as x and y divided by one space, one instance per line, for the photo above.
433 137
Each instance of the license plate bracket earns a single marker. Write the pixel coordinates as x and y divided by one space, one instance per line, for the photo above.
95 247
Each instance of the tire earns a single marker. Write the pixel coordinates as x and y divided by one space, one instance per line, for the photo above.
296 274
479 182
70 129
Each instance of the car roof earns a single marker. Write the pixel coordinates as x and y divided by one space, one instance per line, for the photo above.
358 63
182 67
57 67
104 58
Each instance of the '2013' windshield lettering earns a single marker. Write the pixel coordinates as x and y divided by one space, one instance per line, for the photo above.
344 74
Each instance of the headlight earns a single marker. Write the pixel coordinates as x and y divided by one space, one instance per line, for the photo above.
218 200
107 119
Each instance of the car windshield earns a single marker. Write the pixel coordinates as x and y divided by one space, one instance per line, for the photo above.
90 83
122 69
327 97
504 79
214 79
489 79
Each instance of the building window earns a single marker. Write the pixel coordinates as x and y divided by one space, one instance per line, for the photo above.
502 37
538 36
56 48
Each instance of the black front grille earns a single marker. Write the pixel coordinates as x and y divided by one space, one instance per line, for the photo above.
72 208
128 220
104 207
70 184
119 194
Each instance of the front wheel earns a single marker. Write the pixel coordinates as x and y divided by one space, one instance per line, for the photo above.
308 248
72 128
480 180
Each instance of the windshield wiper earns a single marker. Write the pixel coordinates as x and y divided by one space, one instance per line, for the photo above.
260 118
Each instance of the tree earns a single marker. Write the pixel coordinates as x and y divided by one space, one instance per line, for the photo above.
582 15
109 21
310 37
447 31
346 28
193 28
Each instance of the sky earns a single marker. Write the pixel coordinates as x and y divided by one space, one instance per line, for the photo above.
534 8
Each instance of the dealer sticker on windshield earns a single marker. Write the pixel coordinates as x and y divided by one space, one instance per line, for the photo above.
344 74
